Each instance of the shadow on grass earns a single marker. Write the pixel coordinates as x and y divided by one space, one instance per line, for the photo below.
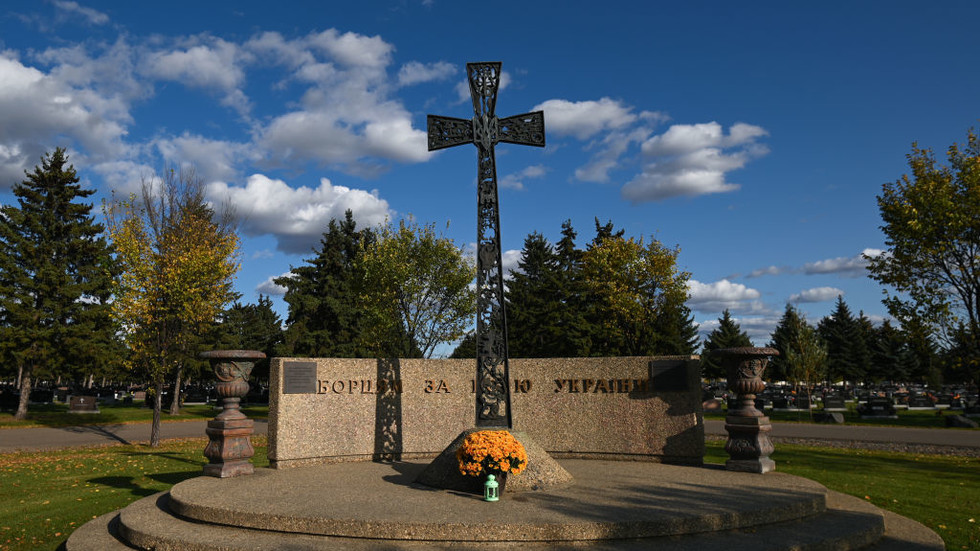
132 486
107 431
172 456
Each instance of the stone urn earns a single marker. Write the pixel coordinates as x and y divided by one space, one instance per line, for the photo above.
229 448
748 444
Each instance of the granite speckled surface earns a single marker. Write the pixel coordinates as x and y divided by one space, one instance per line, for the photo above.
605 408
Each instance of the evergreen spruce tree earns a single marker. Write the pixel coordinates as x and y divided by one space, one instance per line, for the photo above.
466 347
534 301
55 276
252 327
728 334
890 357
923 353
325 318
574 330
864 353
674 332
786 332
847 354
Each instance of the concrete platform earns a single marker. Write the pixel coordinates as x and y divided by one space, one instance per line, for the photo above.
612 505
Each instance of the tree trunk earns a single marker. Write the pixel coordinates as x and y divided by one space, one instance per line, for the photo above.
25 392
157 406
175 404
20 373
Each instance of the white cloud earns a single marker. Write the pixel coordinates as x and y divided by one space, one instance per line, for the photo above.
37 108
214 65
769 270
584 119
212 159
720 295
509 260
346 117
817 294
352 49
516 180
124 177
691 160
92 16
297 217
610 150
415 72
853 266
270 288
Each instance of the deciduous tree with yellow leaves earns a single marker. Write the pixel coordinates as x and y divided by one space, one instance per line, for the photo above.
932 230
178 259
633 285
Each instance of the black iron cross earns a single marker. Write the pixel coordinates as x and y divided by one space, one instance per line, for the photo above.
485 130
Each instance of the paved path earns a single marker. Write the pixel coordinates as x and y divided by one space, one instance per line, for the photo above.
94 435
864 433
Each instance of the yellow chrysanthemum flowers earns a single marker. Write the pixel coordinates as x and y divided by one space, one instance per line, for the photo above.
489 451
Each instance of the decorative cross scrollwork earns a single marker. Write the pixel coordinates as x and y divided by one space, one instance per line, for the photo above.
485 130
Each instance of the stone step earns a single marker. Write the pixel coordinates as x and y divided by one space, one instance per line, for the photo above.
848 523
611 505
608 500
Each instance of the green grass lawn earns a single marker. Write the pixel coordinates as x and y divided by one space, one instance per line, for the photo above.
58 491
56 415
942 492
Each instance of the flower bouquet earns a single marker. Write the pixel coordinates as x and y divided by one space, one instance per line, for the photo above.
491 452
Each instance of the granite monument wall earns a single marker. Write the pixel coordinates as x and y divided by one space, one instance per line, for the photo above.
328 410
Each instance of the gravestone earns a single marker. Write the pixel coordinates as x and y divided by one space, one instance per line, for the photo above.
920 402
83 404
802 402
834 403
878 408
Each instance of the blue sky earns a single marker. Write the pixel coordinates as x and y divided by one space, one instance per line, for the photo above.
753 135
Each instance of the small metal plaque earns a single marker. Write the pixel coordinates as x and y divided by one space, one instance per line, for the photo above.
299 378
669 376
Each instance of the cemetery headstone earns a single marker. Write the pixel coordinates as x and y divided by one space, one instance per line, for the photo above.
781 402
83 404
878 408
834 403
920 402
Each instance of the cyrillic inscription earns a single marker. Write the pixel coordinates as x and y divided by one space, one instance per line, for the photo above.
602 386
358 386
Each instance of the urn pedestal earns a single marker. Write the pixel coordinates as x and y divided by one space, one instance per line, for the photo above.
748 444
229 448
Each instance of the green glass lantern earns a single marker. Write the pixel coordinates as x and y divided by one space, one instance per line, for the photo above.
490 489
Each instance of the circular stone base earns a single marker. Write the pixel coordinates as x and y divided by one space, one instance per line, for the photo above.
608 500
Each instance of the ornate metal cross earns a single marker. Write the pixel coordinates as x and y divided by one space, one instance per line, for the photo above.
485 130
